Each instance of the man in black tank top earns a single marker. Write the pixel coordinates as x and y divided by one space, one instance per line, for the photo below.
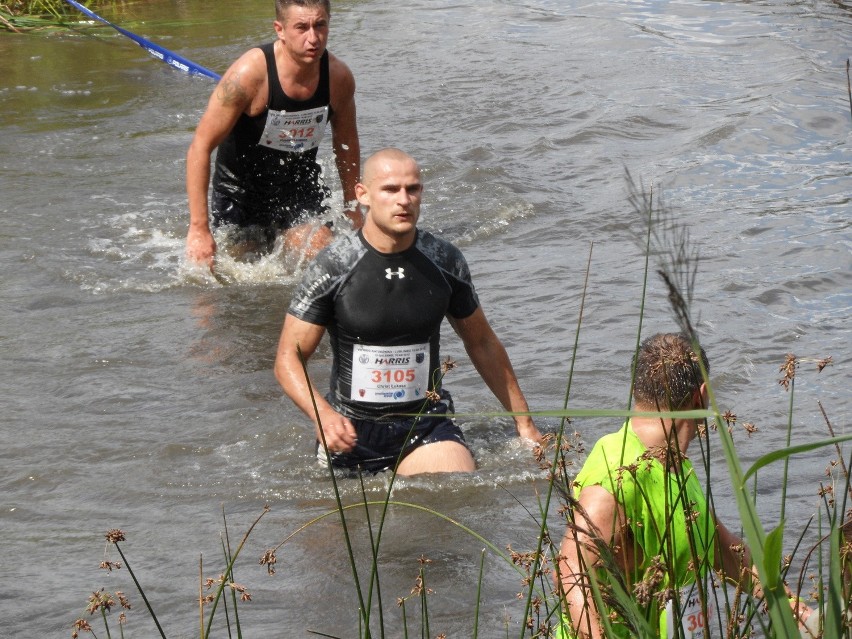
382 295
266 117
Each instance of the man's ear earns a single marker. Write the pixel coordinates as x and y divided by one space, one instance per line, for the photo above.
703 396
362 194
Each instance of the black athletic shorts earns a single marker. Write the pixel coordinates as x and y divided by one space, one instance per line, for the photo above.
381 443
224 210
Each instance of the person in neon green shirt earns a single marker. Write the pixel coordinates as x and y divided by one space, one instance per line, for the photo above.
641 511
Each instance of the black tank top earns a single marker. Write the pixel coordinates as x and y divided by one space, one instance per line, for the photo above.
256 184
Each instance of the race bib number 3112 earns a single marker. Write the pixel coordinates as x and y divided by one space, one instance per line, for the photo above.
389 374
294 131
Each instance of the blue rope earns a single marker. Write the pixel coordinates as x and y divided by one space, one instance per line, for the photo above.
169 57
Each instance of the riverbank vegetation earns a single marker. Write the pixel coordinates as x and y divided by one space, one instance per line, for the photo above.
818 571
21 16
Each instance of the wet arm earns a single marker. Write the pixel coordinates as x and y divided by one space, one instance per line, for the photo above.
344 137
232 96
300 336
733 556
736 564
593 520
492 362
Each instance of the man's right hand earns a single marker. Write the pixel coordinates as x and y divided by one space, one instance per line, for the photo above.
200 246
339 432
527 429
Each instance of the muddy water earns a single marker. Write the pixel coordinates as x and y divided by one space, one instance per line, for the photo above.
138 394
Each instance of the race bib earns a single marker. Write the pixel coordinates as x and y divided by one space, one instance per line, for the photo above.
296 131
693 621
388 374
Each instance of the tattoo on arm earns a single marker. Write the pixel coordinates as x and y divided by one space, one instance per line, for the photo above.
230 91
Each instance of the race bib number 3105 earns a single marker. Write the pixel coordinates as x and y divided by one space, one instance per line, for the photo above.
389 374
294 131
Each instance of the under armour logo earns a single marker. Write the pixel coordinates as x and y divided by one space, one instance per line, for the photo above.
390 273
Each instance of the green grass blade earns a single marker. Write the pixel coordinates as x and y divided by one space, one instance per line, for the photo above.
478 594
365 612
775 455
558 449
776 598
228 570
141 592
834 615
772 551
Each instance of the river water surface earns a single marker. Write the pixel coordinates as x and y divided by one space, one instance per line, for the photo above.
138 394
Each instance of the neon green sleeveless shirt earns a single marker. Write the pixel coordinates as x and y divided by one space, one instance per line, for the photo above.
651 496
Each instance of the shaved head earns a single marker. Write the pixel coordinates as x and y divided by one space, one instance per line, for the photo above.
380 159
391 191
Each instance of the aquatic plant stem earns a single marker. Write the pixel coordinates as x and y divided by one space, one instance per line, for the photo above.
424 606
833 614
141 592
233 593
491 546
478 594
106 624
322 634
365 612
229 570
374 573
648 214
560 434
849 86
201 595
787 445
376 542
837 448
679 275
761 545
404 619
226 548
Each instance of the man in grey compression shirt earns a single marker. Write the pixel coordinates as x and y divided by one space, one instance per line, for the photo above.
382 295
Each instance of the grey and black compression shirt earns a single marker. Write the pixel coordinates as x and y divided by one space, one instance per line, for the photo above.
374 304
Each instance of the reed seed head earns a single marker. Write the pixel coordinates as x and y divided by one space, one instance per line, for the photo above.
115 535
828 361
80 624
100 600
789 369
269 560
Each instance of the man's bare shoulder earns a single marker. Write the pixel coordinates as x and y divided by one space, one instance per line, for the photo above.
340 76
244 78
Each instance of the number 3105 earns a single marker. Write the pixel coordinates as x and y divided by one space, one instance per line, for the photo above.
397 375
